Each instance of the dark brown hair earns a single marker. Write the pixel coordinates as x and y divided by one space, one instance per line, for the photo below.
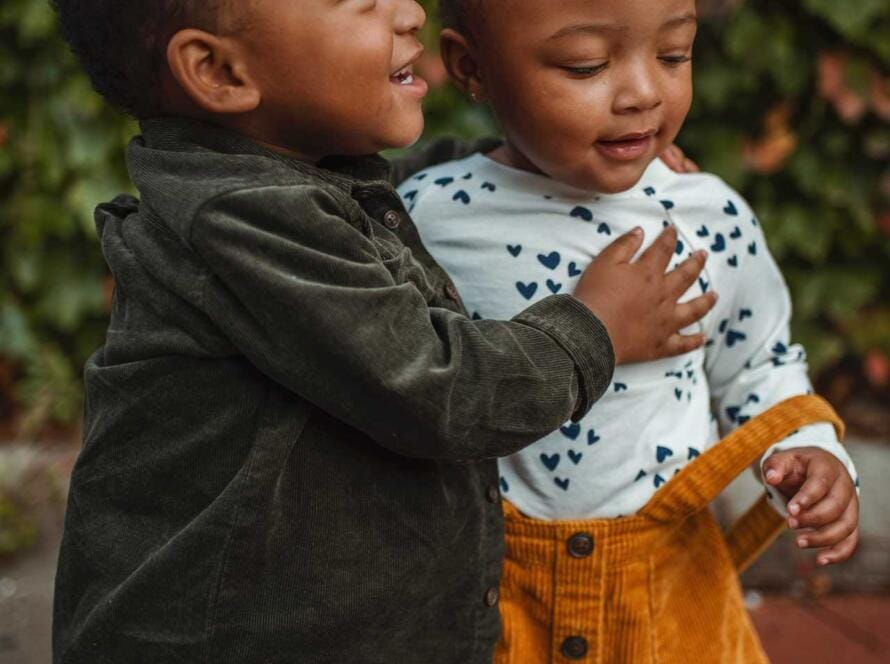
122 44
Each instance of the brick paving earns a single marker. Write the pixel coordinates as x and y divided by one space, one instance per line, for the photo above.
843 629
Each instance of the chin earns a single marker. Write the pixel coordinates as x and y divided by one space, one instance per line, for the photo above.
409 133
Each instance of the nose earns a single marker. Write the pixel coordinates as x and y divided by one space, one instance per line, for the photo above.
409 16
640 89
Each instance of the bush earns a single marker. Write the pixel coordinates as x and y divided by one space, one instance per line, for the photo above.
792 108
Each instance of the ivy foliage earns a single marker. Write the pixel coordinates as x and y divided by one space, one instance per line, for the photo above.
792 109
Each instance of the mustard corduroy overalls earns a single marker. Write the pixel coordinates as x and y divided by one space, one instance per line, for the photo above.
660 586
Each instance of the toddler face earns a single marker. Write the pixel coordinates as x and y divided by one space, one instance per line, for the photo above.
335 75
588 92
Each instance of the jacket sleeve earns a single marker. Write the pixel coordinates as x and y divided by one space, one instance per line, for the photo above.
309 301
437 152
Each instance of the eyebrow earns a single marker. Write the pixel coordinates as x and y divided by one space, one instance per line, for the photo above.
599 28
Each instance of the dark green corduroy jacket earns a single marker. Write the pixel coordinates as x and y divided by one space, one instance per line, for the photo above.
291 429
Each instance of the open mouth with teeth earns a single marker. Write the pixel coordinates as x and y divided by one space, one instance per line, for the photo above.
404 76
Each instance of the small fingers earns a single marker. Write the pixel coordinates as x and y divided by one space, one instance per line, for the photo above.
690 166
834 532
624 248
680 279
658 256
821 478
693 311
777 467
841 551
680 344
673 157
827 509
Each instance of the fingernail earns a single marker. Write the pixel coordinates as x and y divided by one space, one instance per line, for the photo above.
771 474
803 501
823 561
793 523
794 508
637 231
802 543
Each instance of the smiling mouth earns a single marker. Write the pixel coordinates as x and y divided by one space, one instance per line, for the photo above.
404 76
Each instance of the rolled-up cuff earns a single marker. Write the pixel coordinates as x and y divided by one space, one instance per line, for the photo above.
583 336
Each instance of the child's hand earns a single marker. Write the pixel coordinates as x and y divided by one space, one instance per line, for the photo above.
637 302
677 161
823 500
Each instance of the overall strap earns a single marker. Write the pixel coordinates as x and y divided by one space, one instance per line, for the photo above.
703 479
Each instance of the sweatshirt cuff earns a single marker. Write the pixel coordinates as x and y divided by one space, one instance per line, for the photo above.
583 336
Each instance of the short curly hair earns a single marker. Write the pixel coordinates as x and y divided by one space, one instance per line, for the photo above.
460 14
122 44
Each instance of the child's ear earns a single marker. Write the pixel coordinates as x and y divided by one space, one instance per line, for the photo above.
211 72
462 64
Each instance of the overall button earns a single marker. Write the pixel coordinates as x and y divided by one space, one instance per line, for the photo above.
391 219
580 545
491 597
451 292
574 647
493 494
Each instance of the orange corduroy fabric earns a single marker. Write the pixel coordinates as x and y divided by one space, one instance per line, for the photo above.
660 586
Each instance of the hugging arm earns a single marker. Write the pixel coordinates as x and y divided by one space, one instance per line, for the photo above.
310 302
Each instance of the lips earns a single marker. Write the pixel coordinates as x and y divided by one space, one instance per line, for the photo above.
404 73
627 147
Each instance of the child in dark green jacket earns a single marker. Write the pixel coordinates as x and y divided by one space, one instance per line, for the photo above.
291 429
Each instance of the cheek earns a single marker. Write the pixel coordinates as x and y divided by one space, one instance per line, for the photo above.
679 101
558 114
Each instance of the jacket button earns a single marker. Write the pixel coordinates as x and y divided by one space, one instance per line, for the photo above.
491 597
391 219
451 292
574 647
580 545
493 494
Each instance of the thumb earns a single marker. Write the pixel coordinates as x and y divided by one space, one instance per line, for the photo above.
624 248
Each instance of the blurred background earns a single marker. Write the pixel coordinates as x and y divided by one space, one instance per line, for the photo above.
792 108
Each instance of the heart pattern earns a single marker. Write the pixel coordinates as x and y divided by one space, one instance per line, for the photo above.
462 196
582 212
527 290
541 266
551 260
662 453
550 461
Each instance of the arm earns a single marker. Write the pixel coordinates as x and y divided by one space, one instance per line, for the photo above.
752 364
310 303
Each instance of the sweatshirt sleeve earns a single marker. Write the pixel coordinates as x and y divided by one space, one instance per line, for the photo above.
309 300
751 362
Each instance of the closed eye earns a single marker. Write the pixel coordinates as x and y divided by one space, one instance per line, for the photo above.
586 71
675 59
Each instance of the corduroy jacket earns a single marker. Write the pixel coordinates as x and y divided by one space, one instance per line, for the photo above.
290 431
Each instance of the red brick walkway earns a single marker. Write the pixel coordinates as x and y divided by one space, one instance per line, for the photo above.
851 629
